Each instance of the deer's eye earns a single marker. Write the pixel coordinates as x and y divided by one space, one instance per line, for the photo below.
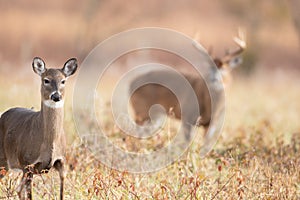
63 82
46 81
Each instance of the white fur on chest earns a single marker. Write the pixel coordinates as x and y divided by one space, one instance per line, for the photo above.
53 104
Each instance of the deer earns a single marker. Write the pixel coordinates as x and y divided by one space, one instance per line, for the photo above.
144 97
34 141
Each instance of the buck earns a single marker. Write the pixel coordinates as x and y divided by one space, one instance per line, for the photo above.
144 97
34 141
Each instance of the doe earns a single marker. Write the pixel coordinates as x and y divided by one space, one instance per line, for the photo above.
35 141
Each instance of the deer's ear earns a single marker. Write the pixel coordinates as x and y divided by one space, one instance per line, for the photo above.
38 66
70 67
218 63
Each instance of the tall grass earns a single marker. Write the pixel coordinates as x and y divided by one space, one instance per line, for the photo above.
257 156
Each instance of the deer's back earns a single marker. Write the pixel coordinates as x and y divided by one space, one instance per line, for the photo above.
147 95
21 141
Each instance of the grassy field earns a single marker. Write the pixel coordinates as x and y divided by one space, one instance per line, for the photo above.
258 153
257 156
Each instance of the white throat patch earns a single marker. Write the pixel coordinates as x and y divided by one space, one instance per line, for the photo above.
53 104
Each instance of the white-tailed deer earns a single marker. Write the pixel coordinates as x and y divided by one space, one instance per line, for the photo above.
147 95
35 141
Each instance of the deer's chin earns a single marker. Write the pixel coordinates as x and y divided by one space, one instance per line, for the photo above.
53 104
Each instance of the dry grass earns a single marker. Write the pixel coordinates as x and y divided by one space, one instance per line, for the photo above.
257 156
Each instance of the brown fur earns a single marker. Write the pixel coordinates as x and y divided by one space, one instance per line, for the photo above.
142 98
147 95
35 141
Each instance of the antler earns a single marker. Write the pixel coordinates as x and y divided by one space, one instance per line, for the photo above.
241 42
230 58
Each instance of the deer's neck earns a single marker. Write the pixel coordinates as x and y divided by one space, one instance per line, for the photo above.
52 122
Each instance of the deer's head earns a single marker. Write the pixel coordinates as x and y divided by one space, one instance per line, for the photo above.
53 81
231 59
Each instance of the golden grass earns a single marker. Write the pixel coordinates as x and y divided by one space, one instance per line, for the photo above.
257 156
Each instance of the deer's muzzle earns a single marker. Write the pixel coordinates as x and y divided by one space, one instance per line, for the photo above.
55 97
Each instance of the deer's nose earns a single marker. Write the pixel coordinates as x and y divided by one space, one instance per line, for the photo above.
56 97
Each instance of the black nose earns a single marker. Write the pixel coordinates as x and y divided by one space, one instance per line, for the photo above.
55 97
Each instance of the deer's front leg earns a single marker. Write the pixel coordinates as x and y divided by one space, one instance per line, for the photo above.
27 182
59 166
28 185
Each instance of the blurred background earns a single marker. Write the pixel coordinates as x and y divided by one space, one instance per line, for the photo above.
266 85
262 103
56 30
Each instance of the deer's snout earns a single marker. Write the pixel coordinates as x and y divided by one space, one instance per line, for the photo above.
55 97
